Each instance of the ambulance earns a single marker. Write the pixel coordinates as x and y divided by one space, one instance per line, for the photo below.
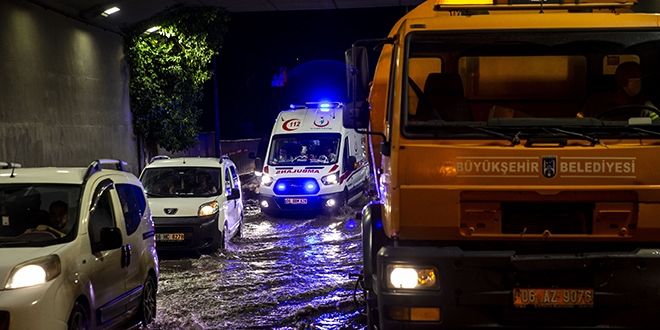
313 163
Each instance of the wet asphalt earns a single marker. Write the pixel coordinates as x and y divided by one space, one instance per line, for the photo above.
283 273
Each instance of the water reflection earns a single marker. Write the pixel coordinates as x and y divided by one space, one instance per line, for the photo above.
283 274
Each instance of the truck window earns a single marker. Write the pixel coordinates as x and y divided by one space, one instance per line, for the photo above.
501 75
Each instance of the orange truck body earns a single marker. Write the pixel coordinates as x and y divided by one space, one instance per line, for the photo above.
510 207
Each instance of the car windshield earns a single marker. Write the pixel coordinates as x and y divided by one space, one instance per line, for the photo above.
304 149
37 214
182 181
469 85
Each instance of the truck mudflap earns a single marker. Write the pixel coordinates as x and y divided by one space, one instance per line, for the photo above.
503 289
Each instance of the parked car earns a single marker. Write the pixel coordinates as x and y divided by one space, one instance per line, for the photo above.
77 248
196 202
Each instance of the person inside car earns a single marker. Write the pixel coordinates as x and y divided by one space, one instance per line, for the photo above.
627 92
204 185
58 215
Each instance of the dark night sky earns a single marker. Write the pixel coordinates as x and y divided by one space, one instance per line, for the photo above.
310 44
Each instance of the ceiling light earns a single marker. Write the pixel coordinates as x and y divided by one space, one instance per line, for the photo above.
109 11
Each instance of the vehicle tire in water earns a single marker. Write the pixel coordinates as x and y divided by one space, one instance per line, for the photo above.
147 311
79 318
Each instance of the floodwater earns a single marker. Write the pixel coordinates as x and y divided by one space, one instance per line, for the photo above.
282 274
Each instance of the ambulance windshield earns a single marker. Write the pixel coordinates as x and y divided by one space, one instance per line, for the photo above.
304 149
458 84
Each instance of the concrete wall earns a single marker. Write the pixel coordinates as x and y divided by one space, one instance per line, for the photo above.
63 90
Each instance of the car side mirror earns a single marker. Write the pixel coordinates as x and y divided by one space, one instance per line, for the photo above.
235 194
110 239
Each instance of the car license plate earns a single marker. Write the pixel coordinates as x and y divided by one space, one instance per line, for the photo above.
174 237
553 298
295 201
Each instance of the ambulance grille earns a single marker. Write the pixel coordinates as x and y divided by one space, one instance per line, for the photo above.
296 186
557 218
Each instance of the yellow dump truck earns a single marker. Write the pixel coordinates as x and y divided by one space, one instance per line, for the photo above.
516 148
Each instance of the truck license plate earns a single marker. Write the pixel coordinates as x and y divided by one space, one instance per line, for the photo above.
553 298
174 237
295 201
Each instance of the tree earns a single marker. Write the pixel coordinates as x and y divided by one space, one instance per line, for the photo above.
168 69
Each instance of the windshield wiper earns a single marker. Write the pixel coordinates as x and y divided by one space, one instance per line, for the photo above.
643 130
515 140
593 140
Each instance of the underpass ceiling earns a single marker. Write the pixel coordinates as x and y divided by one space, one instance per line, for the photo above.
134 11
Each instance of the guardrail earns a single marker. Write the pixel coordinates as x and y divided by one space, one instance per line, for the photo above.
237 150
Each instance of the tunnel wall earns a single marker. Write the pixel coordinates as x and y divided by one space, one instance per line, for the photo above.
63 90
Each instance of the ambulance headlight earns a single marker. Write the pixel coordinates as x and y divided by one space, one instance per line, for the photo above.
208 208
34 272
266 179
330 179
412 277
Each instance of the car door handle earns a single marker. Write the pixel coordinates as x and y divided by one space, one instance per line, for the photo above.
126 255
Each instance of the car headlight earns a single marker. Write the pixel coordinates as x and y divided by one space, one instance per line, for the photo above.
412 277
329 179
34 272
208 208
266 179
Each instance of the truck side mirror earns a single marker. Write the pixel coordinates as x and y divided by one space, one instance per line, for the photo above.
356 115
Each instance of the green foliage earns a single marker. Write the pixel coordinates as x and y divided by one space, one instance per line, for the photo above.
168 69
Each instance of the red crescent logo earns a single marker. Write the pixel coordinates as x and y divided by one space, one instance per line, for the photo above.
291 124
321 122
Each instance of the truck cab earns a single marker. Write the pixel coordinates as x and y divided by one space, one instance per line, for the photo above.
516 146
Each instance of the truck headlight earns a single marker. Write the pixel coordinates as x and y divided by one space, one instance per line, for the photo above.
330 179
34 272
412 277
266 179
208 208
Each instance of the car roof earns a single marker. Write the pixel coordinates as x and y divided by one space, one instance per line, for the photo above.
66 175
189 162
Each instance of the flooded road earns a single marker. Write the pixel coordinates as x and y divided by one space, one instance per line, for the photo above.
282 274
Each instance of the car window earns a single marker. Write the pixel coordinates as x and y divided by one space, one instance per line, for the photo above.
133 205
29 212
184 181
234 176
228 181
101 216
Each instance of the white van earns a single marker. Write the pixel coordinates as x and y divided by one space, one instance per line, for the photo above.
197 203
76 248
313 163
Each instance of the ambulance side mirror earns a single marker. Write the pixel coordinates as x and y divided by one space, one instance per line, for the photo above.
351 164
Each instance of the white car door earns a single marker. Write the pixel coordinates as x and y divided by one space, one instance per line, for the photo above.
108 272
230 203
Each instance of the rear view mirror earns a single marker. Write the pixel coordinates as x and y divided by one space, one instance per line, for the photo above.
357 73
110 239
356 115
235 194
351 164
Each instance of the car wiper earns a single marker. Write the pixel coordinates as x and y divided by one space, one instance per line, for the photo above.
643 130
515 140
593 140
